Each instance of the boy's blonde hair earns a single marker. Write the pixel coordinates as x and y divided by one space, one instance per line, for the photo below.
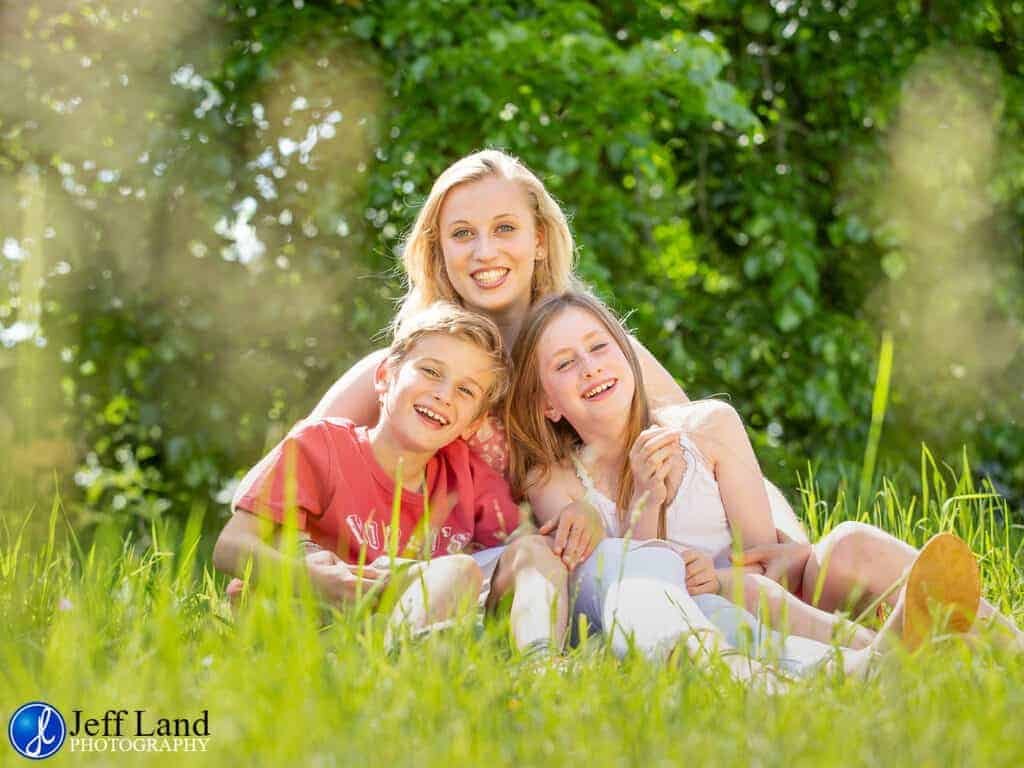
423 259
535 442
446 319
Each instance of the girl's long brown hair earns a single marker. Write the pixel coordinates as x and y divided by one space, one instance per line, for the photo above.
536 443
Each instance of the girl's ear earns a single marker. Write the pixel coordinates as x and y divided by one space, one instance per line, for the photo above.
550 412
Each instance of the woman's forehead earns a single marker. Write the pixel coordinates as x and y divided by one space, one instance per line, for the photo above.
485 198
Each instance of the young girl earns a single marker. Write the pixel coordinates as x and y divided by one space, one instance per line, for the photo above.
581 432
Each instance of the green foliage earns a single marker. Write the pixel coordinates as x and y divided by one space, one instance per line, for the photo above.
213 199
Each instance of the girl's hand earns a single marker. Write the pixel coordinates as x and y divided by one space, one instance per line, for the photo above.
579 530
650 460
701 578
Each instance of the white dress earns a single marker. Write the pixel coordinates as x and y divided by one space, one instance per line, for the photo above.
696 517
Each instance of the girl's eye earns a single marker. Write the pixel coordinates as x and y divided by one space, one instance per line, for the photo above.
599 346
562 365
459 234
431 372
506 228
466 391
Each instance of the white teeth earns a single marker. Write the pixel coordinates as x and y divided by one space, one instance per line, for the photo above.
431 415
490 276
598 389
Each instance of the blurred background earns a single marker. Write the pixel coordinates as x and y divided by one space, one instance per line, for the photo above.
201 204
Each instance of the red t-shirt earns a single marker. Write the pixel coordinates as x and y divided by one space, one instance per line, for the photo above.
344 497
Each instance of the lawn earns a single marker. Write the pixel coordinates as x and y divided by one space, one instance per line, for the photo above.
102 620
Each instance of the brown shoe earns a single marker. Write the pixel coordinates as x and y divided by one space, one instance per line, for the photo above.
943 581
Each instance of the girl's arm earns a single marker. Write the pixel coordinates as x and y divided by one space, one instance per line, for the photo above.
351 397
662 388
557 506
719 433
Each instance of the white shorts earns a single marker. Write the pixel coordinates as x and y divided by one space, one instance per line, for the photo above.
488 559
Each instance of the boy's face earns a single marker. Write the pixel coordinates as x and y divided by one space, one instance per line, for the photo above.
436 394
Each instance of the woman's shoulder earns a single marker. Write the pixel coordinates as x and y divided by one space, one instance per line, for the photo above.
352 396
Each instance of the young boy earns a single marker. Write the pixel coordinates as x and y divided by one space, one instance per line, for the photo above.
444 371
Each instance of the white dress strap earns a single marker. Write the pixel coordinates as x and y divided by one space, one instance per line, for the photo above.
602 503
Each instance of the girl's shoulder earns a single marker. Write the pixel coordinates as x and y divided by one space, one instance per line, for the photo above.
707 424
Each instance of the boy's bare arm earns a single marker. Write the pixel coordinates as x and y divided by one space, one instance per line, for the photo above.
245 538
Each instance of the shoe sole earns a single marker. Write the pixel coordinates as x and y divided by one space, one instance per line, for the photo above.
944 581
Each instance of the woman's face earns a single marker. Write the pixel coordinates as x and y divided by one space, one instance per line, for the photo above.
585 376
490 243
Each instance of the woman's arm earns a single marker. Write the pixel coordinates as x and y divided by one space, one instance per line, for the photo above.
661 388
351 397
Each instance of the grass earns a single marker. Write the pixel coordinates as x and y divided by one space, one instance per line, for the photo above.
119 623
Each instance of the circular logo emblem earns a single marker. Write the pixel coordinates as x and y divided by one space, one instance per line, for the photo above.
37 730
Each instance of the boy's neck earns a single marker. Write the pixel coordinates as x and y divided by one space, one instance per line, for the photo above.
390 453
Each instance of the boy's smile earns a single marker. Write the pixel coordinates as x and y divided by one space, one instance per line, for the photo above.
434 395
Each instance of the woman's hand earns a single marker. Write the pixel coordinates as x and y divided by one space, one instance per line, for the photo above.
579 530
701 578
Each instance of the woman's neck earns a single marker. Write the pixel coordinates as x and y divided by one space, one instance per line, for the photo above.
510 321
391 454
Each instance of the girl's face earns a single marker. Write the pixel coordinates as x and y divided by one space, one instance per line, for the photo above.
490 242
584 374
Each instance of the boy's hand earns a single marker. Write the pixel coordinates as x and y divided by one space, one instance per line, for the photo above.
579 531
339 583
701 578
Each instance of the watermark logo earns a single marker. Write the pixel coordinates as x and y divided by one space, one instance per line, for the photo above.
37 730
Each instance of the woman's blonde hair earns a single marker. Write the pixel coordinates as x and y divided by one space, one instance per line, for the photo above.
535 442
423 259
